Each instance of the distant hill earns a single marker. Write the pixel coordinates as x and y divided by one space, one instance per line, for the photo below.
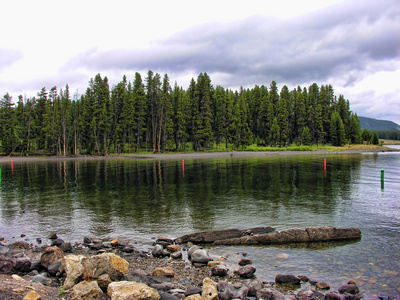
374 124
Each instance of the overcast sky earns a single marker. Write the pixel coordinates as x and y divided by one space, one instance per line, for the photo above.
353 45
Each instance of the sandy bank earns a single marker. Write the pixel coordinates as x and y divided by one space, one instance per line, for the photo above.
194 155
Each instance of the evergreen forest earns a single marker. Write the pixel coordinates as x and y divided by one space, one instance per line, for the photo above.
149 114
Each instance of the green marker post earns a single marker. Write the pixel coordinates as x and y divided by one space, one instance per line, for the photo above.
382 179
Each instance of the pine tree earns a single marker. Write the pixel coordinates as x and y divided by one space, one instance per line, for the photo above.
264 116
229 125
193 111
119 98
100 123
273 98
299 114
274 135
243 134
338 135
254 104
139 110
204 118
39 112
283 116
65 118
181 117
366 135
21 124
219 114
51 122
166 124
355 129
374 138
7 124
319 126
306 136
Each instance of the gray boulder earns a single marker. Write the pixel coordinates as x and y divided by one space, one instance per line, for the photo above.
66 247
349 288
87 290
200 256
287 279
157 251
54 267
245 262
22 265
192 249
246 271
332 296
224 291
268 293
41 279
176 255
57 242
254 287
219 270
238 290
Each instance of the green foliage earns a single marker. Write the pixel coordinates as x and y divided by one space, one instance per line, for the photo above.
7 124
366 135
153 117
374 138
306 137
338 135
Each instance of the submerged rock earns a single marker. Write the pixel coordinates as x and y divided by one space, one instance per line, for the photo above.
287 279
349 288
245 262
216 235
313 234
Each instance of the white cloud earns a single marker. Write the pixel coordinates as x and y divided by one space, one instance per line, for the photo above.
350 44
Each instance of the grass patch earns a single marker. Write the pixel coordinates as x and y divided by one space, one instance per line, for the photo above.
390 142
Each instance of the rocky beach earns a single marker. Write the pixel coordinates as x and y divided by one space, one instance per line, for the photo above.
170 269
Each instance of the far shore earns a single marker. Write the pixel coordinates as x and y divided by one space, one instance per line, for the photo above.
194 155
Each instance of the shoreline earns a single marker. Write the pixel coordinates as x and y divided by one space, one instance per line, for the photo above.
195 155
187 276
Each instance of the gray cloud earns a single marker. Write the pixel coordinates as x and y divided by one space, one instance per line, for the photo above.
385 106
74 79
8 57
339 41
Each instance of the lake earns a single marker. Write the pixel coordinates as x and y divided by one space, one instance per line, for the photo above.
139 199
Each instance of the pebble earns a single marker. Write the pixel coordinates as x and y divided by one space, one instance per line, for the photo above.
323 286
245 261
52 236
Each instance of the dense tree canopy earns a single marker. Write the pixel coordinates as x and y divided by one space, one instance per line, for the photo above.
151 115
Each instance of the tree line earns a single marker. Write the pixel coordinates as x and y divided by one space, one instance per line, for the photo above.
152 115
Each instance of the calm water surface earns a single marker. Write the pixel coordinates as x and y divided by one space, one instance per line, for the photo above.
141 199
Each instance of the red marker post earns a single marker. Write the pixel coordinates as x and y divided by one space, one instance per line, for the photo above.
183 167
325 167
